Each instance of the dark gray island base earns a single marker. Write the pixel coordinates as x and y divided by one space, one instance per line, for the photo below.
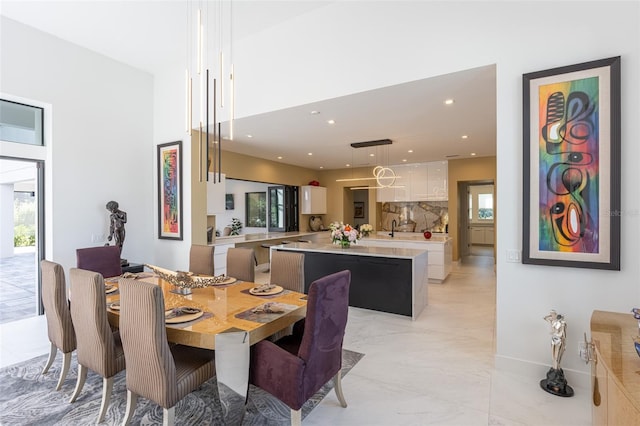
384 279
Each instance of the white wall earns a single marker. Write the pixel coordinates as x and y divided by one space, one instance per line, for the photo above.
349 47
98 139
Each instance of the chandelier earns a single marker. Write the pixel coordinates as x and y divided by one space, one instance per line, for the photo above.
213 41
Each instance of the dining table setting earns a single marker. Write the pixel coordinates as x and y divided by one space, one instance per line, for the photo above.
224 304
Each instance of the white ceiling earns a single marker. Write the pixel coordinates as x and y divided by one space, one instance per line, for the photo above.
151 34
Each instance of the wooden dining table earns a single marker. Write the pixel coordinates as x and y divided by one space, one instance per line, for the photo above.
226 308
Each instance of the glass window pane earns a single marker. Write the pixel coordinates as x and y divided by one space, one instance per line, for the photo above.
20 123
485 206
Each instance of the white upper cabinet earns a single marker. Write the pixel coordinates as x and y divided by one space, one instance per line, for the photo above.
417 182
216 195
313 199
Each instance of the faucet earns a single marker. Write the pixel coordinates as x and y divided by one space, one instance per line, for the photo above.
393 225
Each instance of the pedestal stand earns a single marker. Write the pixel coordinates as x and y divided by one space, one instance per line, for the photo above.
556 384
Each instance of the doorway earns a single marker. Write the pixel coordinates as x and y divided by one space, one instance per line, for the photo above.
21 237
476 237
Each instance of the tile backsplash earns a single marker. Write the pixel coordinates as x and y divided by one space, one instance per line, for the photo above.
416 216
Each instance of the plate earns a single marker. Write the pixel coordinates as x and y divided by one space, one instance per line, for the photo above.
182 318
110 289
277 289
115 306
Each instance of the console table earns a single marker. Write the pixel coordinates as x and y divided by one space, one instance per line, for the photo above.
134 268
615 383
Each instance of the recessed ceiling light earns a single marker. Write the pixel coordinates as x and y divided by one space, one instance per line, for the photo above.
279 157
473 154
314 112
322 167
404 160
448 101
372 155
465 137
348 165
249 136
310 153
331 121
410 151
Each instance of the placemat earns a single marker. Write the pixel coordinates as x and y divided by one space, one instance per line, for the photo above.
262 317
190 323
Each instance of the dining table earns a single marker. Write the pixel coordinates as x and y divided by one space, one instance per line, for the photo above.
231 317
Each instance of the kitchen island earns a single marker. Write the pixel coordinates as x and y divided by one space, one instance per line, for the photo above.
386 279
256 242
439 247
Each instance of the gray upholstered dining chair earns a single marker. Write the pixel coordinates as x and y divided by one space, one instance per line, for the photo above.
102 259
99 348
241 264
287 271
295 367
156 371
56 309
201 260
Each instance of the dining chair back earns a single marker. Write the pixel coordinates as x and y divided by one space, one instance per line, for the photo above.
241 264
287 270
56 309
295 367
103 259
161 373
201 260
99 347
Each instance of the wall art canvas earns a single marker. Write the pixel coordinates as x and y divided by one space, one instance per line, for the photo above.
571 167
170 191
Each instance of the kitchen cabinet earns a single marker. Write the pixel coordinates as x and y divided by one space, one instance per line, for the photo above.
313 199
417 182
482 235
216 193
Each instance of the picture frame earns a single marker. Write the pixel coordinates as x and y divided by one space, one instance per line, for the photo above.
256 209
571 166
358 209
170 191
228 202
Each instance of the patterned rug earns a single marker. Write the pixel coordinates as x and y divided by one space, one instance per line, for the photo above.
28 397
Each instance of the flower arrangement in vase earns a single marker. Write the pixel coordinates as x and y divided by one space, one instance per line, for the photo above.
366 229
344 234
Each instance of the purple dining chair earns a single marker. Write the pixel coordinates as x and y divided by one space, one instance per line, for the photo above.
104 260
295 367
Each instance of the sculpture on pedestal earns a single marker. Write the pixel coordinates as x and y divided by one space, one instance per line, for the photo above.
116 227
555 383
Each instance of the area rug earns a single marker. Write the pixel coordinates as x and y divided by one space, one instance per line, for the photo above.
28 397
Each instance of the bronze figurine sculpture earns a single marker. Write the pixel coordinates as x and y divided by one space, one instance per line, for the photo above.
116 227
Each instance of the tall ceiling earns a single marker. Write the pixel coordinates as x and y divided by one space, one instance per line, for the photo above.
150 35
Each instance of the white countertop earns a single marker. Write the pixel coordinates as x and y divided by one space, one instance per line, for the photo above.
266 236
354 250
409 236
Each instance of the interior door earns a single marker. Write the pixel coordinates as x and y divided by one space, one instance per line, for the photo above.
464 231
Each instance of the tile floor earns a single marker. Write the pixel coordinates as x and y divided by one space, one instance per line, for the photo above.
18 285
437 370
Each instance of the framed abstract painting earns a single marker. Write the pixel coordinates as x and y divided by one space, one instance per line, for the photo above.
571 166
170 191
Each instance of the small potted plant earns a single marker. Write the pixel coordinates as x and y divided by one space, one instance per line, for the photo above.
236 226
366 229
344 234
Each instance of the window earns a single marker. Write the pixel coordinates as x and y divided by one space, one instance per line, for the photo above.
20 123
256 209
481 203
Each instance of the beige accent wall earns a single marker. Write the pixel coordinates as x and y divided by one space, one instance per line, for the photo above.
473 169
340 196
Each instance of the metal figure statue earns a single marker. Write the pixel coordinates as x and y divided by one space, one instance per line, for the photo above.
555 383
116 226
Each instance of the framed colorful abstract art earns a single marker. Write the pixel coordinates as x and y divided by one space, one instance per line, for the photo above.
571 166
170 191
